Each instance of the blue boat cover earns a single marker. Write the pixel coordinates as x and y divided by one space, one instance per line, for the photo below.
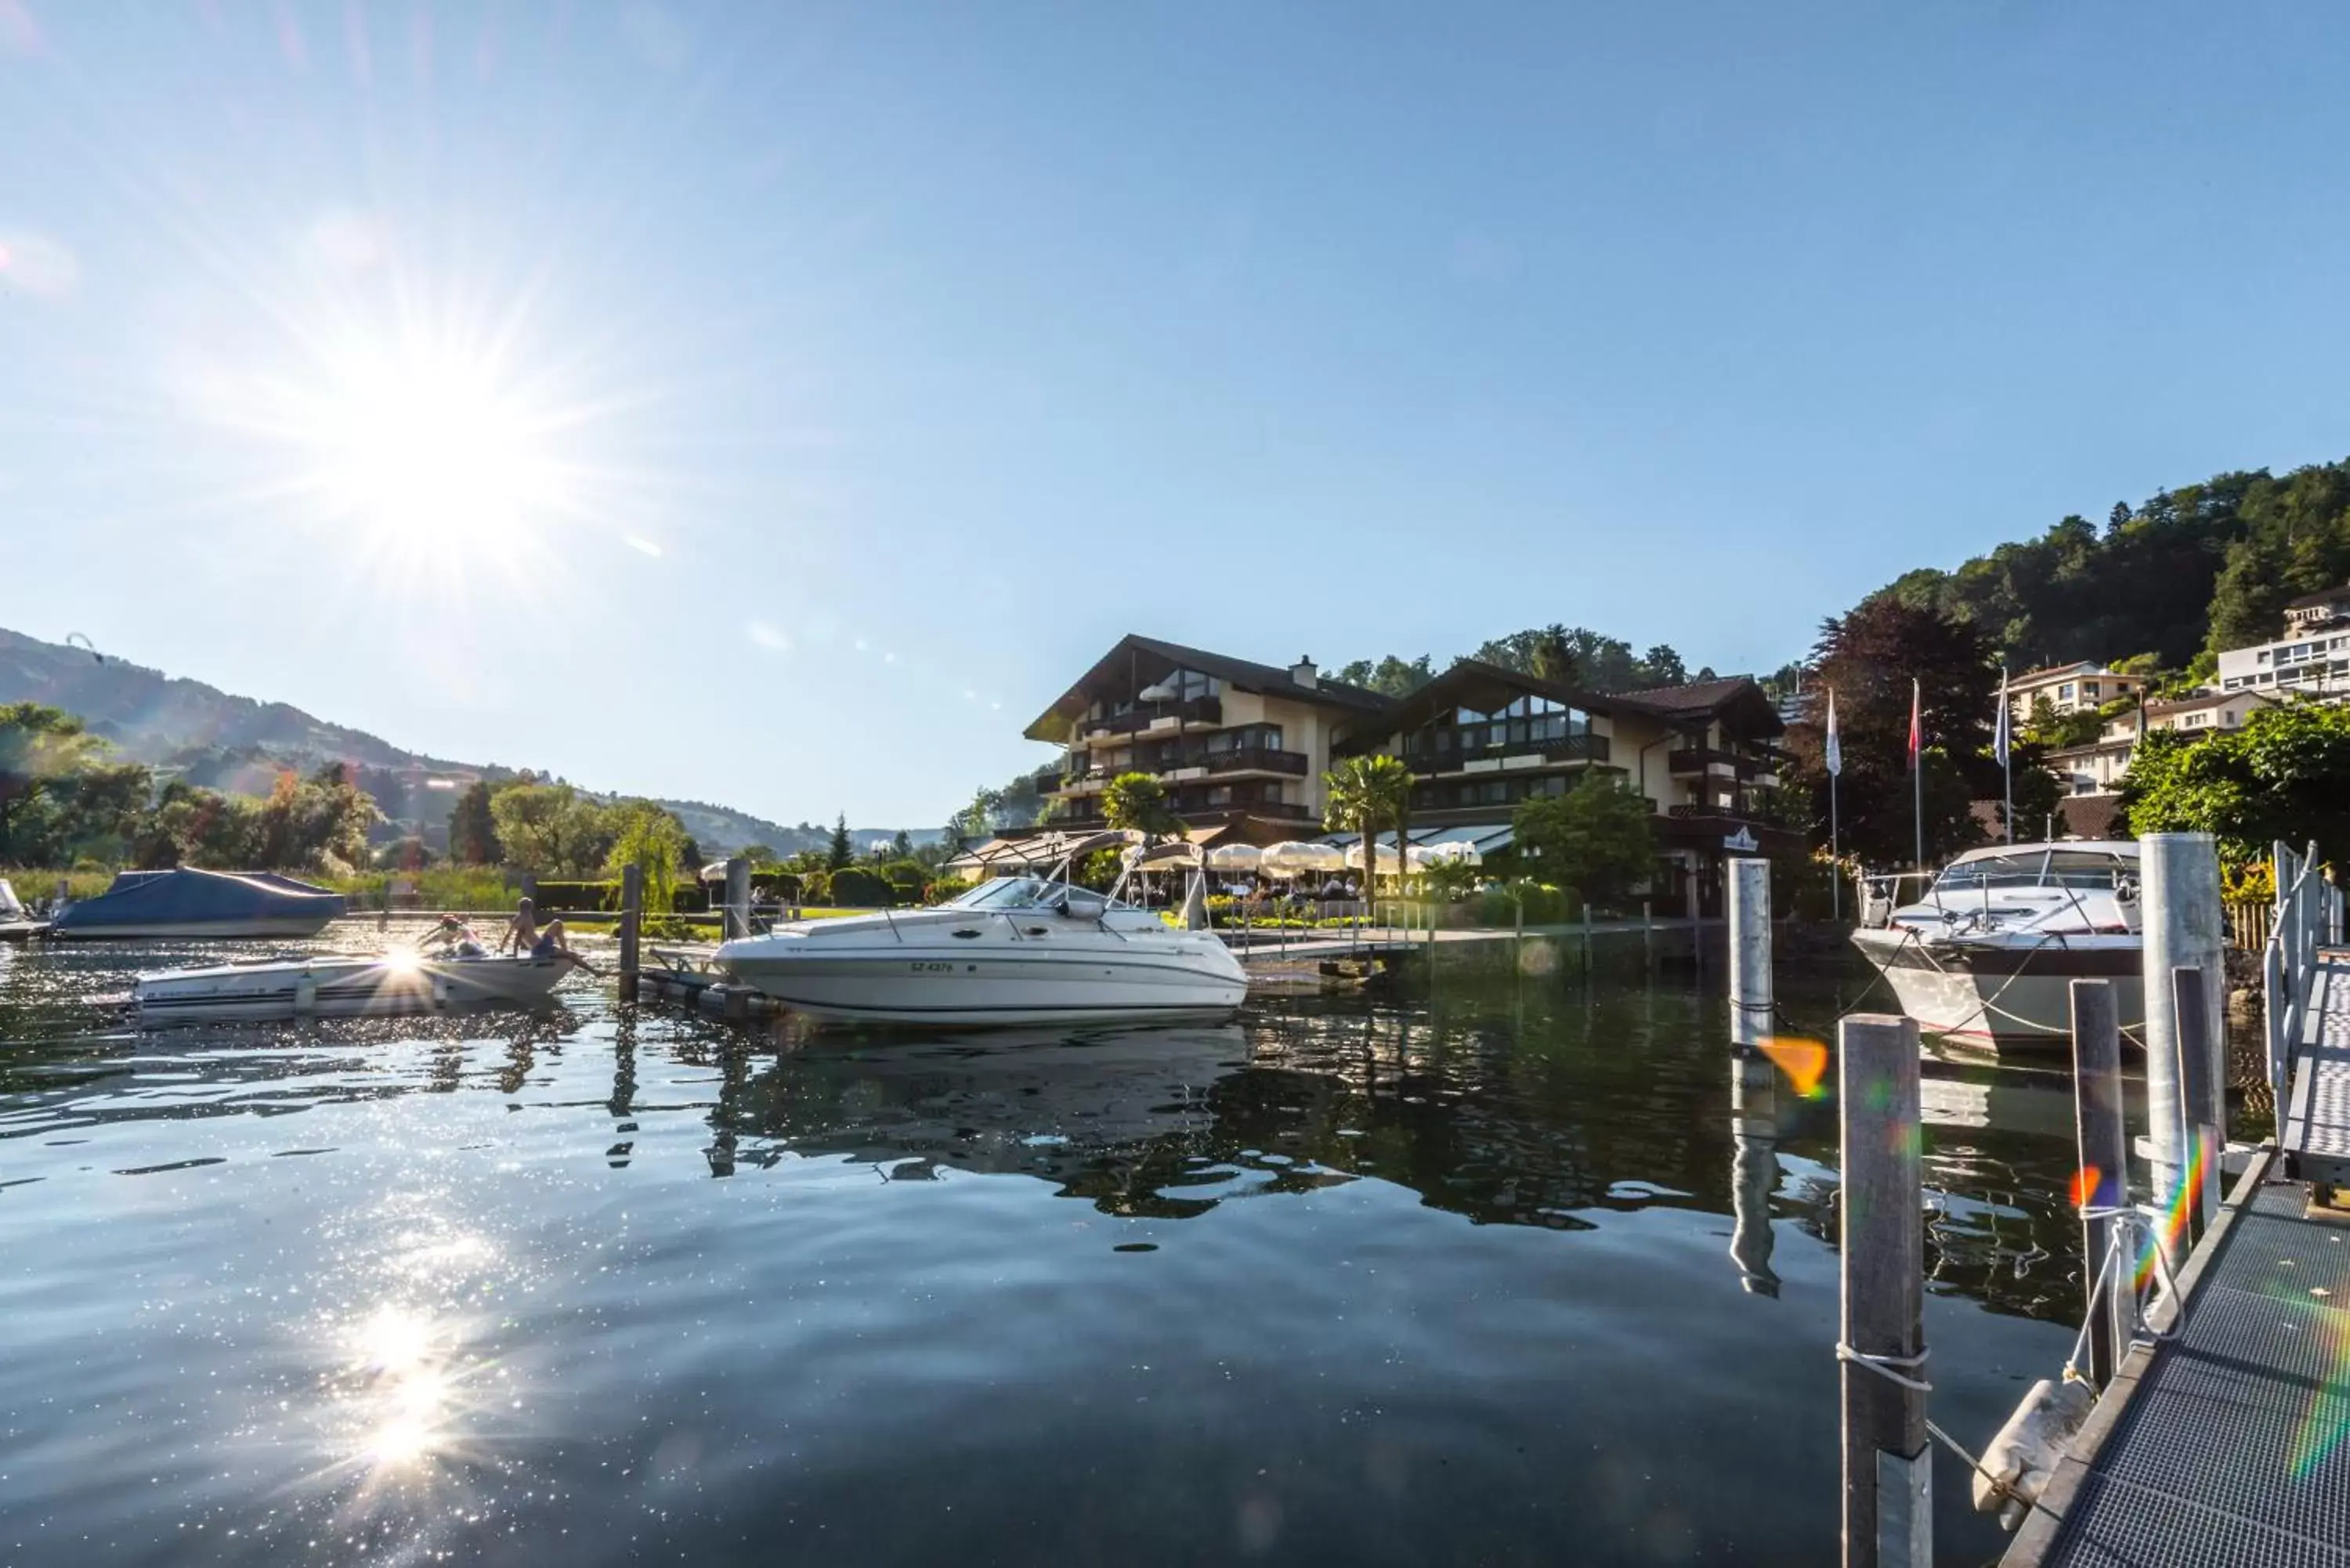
188 896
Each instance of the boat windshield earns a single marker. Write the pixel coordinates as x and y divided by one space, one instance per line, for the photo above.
2034 868
1003 893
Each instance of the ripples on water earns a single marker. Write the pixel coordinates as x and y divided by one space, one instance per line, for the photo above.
1443 1281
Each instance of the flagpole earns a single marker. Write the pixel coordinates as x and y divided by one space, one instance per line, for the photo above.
1918 767
2006 761
1835 857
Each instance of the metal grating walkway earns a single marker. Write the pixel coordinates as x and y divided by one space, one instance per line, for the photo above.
2230 1447
2316 1130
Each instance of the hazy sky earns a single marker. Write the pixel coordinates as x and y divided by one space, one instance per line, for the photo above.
781 404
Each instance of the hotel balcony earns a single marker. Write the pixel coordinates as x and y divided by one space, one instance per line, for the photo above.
1748 766
1206 713
1200 763
1427 760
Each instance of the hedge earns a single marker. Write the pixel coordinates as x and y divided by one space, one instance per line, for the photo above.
855 888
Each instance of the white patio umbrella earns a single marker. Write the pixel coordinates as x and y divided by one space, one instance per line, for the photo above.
1295 859
1459 852
1234 857
1387 858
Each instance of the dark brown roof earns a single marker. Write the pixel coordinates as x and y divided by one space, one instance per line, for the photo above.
2329 596
2209 700
1248 675
1690 697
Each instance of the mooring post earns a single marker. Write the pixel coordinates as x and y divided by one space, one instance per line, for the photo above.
1518 922
738 897
2104 1165
1750 952
1587 939
2178 881
1649 932
2198 1092
1888 1516
632 903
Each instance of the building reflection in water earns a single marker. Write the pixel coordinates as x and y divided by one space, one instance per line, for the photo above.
1519 1104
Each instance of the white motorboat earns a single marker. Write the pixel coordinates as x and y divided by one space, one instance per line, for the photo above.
339 987
1017 950
1988 954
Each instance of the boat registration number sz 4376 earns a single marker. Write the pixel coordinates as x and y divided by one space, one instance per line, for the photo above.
931 967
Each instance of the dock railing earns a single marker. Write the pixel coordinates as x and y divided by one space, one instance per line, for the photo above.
2308 915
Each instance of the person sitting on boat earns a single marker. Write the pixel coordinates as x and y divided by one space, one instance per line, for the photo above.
529 939
458 935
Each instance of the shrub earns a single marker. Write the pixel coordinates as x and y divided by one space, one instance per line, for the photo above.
816 887
856 888
940 892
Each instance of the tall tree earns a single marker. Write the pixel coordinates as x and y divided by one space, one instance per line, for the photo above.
652 839
551 828
1598 838
39 747
473 831
838 853
1137 803
1868 658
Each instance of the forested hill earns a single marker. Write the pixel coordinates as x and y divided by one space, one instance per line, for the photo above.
208 737
2190 572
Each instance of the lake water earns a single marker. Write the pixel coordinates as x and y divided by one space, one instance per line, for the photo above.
1444 1279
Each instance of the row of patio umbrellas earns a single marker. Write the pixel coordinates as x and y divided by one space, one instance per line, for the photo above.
1295 858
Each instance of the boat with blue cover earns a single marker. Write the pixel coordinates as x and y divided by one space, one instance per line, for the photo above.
187 903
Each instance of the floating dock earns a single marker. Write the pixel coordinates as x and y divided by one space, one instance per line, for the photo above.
2230 1443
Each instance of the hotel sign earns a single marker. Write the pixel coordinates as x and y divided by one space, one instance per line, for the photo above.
1743 841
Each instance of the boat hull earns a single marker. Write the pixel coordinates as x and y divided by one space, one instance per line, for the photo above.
356 988
950 987
2005 995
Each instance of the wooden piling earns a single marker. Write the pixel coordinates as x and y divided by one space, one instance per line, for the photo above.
632 901
1888 1472
738 897
2199 1096
1649 932
1587 939
2105 1150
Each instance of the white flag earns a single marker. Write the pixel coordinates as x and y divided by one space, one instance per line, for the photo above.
1998 735
1835 746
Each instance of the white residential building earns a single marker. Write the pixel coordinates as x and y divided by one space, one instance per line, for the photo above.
2099 767
2313 657
2070 687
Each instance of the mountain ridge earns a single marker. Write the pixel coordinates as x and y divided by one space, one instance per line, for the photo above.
216 738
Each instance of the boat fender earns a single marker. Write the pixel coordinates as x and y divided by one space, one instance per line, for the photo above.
306 994
2018 1464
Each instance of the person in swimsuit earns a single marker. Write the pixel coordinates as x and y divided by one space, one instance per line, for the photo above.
458 934
526 937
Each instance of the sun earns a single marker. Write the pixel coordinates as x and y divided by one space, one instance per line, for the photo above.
433 457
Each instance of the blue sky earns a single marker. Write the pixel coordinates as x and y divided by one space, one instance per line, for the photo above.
780 405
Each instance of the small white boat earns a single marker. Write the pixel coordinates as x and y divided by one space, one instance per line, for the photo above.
334 987
1017 950
1988 954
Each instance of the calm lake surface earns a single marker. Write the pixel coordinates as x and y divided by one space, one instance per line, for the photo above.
1436 1279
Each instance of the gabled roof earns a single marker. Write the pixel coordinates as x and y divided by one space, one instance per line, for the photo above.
2326 597
2208 700
1472 682
1153 657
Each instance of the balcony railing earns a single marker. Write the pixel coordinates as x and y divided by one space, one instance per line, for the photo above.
1564 749
1743 765
1198 710
1236 760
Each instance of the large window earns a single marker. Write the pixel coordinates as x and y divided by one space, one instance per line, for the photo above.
1526 721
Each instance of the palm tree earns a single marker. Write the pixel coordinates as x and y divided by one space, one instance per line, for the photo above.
1366 792
1136 801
